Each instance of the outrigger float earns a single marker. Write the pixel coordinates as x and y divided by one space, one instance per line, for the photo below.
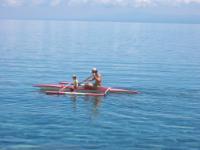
65 88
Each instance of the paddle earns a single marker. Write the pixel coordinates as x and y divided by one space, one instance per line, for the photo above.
70 83
64 86
87 79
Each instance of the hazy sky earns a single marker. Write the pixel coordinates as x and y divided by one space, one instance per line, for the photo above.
112 10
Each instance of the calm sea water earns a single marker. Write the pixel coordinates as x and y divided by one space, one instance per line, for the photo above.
162 61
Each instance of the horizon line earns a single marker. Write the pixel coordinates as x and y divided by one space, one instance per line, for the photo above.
105 20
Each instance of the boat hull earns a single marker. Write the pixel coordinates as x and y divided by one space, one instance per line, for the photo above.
57 87
49 87
81 89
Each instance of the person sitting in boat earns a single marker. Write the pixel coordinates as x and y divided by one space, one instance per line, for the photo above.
75 82
96 77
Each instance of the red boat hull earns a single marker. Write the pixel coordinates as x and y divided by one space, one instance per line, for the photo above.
56 88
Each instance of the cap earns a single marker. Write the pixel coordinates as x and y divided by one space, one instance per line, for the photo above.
94 69
74 76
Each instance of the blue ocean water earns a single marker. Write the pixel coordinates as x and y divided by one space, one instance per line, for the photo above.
162 61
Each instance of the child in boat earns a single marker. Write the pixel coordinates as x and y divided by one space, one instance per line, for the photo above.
75 82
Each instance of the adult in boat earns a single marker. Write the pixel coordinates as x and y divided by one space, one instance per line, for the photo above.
95 80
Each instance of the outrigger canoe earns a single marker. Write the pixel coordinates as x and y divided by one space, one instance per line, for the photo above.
62 89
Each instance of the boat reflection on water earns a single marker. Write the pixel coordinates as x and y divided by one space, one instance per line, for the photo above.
73 98
94 100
